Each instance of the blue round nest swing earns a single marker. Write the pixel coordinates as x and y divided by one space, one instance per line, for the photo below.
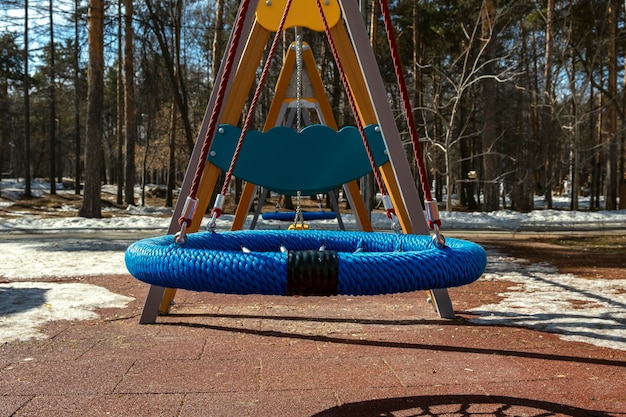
308 262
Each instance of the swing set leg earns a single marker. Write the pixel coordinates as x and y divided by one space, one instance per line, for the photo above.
442 303
151 305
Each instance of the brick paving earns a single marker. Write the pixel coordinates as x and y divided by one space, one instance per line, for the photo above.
221 355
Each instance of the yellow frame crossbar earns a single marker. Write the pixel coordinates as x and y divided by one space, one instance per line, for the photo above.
302 13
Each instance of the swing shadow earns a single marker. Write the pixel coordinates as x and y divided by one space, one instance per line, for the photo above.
336 320
462 405
568 324
380 343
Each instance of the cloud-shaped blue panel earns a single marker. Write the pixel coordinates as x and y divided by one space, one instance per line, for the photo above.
315 160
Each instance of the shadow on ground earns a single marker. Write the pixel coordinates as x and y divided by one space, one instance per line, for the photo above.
18 300
458 405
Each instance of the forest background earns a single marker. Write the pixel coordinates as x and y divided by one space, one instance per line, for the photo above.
513 98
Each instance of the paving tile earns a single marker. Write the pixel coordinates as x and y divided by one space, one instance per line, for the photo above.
63 377
139 405
9 404
221 404
138 347
455 368
292 403
269 345
324 373
296 403
48 349
191 376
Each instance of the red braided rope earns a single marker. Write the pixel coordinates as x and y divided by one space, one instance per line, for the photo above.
397 65
255 99
219 100
351 100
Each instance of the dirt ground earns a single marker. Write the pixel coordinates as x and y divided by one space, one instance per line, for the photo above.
588 256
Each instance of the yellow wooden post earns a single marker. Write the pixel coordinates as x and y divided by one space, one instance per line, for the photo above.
242 82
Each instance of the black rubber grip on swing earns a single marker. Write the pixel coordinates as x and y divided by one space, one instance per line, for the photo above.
312 273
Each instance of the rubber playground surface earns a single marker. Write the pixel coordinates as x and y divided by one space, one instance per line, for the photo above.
264 356
221 355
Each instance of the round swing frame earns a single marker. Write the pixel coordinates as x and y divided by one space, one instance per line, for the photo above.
270 262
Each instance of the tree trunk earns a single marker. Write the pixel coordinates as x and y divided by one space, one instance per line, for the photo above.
129 97
489 131
418 82
119 134
4 123
611 193
53 122
547 114
92 205
598 173
171 178
76 103
622 153
574 172
218 35
27 188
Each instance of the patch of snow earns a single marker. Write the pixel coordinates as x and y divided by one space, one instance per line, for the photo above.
26 306
577 309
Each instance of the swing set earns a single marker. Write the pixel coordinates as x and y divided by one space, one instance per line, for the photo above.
304 262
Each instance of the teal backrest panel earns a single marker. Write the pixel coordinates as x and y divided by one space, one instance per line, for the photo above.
315 160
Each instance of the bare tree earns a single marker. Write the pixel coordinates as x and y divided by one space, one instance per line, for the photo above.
468 70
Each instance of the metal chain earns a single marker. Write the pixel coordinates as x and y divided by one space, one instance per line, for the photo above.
298 221
298 80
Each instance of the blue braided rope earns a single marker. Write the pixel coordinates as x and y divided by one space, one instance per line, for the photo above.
387 263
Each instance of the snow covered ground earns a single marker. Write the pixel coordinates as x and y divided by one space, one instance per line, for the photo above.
67 247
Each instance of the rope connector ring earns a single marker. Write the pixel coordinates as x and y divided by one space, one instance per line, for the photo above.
438 239
181 237
186 216
212 225
216 212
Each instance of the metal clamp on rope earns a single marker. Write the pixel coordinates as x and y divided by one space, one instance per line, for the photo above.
432 212
298 221
185 219
391 214
218 207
